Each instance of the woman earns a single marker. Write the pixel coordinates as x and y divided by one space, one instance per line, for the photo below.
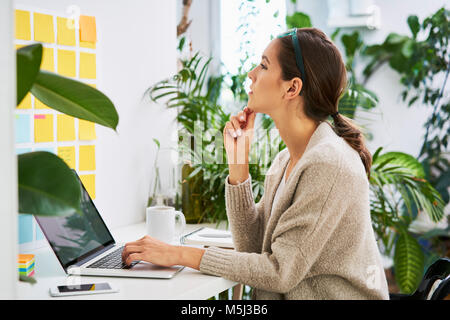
310 236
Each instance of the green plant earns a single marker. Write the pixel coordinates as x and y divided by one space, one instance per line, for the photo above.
423 62
47 186
398 185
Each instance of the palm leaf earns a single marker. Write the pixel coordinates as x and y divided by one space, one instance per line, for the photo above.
408 263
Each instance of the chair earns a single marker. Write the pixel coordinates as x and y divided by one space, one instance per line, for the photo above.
436 278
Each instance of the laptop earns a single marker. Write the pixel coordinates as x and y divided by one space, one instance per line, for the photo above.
84 245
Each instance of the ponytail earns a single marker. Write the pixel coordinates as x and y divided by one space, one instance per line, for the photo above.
345 128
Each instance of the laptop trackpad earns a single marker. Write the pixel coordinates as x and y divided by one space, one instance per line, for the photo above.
147 266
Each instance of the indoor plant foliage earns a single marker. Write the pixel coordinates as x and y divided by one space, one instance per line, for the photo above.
399 186
47 186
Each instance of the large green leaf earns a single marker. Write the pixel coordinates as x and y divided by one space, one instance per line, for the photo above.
28 61
404 160
408 263
47 186
75 99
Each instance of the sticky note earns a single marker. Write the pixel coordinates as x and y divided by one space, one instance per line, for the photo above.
48 60
65 31
23 126
68 155
22 25
25 228
39 105
43 28
52 150
65 128
87 158
88 32
66 63
22 150
86 130
43 128
26 102
87 65
88 181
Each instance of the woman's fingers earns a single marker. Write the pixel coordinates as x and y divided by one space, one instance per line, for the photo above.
133 257
230 129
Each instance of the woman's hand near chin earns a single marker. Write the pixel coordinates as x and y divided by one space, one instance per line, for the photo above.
238 135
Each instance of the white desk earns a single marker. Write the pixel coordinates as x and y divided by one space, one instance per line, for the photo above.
188 284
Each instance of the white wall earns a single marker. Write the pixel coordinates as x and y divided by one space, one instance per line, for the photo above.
8 162
136 47
397 128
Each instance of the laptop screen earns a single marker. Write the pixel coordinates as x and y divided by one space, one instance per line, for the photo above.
76 236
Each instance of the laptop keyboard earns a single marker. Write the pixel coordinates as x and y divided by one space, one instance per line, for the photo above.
112 260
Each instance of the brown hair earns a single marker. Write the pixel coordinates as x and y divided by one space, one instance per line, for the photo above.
325 81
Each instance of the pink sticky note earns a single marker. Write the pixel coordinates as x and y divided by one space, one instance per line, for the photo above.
39 116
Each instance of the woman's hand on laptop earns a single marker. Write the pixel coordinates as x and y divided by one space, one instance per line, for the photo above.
157 252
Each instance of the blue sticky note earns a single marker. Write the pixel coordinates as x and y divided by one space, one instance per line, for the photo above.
25 228
23 128
22 150
52 150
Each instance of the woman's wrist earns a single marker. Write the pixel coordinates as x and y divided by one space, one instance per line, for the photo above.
237 173
189 256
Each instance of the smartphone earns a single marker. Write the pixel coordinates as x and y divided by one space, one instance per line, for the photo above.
81 289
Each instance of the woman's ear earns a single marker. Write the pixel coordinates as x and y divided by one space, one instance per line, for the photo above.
294 88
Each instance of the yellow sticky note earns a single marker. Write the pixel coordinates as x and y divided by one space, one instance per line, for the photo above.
22 25
43 28
88 30
66 63
65 128
86 130
65 31
88 181
39 105
87 158
43 128
48 60
88 68
26 102
68 155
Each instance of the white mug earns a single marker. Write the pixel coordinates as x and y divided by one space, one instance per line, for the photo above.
161 222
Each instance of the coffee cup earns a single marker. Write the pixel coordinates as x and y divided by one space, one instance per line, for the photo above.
161 221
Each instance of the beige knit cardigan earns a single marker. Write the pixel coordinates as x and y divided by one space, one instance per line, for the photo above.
318 242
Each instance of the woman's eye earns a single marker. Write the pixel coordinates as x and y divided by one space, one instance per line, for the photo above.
263 66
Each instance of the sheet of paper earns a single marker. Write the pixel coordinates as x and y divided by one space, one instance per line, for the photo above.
43 28
68 155
43 128
88 68
26 102
66 63
39 105
66 31
86 130
23 126
48 59
87 158
22 24
88 31
65 128
88 181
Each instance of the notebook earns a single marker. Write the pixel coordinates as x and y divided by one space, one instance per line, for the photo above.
209 237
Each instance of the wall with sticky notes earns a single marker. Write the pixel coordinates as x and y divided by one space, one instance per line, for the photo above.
121 50
69 49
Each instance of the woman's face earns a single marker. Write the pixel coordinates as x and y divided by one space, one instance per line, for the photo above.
266 90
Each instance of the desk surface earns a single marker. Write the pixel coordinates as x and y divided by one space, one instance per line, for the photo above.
188 284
